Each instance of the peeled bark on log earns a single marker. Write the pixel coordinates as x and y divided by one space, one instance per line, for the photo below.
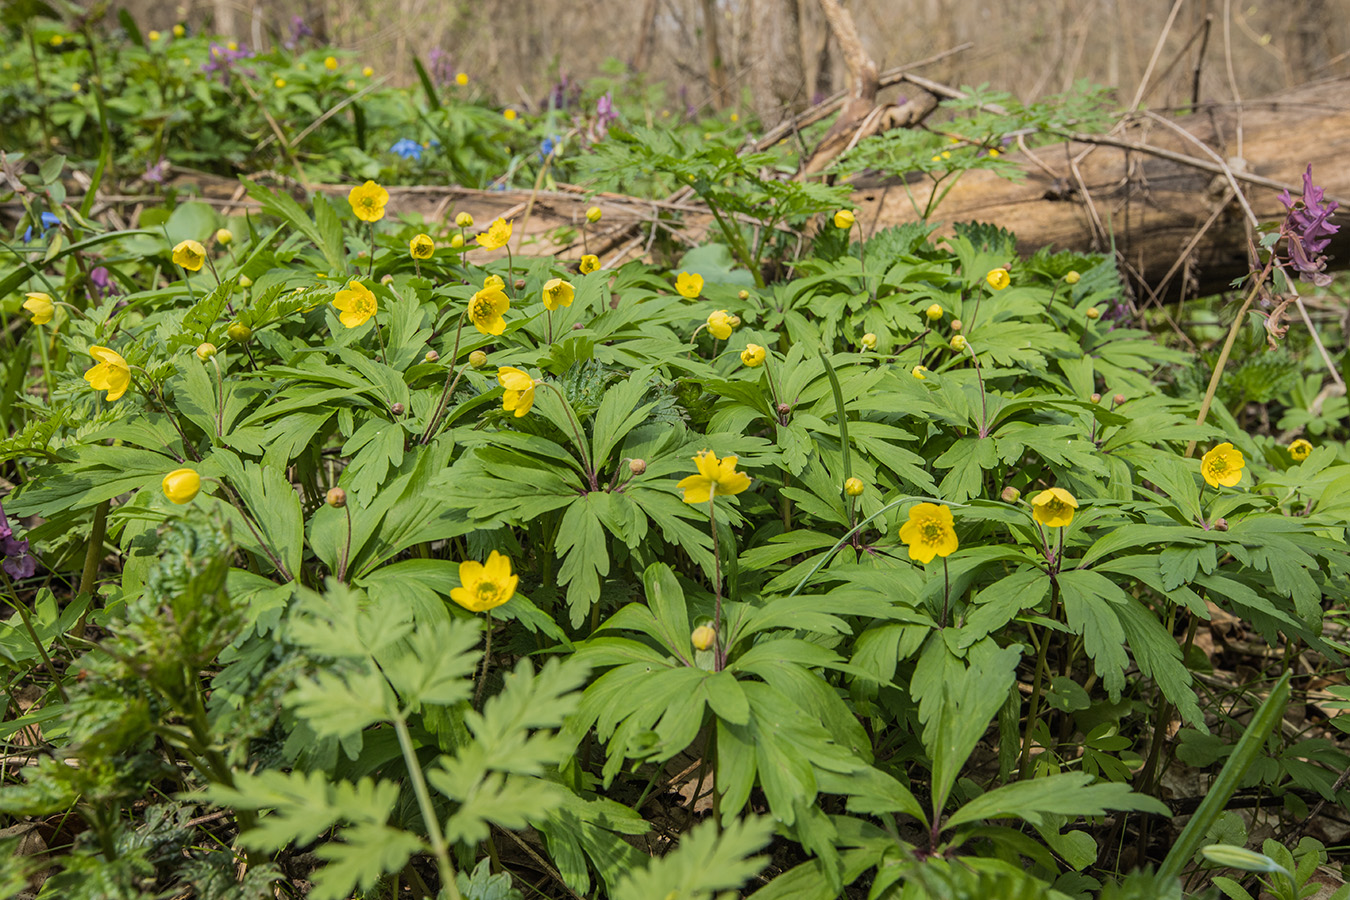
1157 211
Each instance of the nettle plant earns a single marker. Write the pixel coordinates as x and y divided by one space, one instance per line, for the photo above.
421 557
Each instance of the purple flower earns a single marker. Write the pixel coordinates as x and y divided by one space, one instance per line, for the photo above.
299 31
439 67
222 60
1308 230
102 281
17 561
156 172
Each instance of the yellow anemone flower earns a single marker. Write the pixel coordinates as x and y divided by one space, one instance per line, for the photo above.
518 395
181 485
42 308
153 35
919 372
715 478
719 323
367 71
868 341
1299 449
190 255
753 356
593 214
702 637
589 263
1053 507
485 586
998 279
330 63
929 532
357 304
1222 466
486 307
689 285
509 115
933 312
368 201
112 374
464 220
461 79
456 241
422 246
497 235
280 82
557 293
844 219
854 487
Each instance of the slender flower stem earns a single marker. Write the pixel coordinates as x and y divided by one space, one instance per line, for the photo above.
487 660
510 272
346 547
946 593
220 399
33 636
984 402
379 335
451 380
719 651
434 834
576 430
370 270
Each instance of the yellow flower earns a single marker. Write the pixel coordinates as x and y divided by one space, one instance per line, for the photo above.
280 82
719 323
702 637
753 355
919 372
497 235
689 285
231 46
42 308
190 255
959 343
112 374
509 114
1072 278
461 79
1053 507
868 341
464 220
368 201
153 35
844 219
57 40
485 586
998 279
486 307
1299 449
331 63
993 153
179 31
589 263
518 395
854 487
205 351
933 312
477 359
715 478
456 241
1222 466
593 214
181 485
357 304
557 293
422 246
929 532
367 71
224 237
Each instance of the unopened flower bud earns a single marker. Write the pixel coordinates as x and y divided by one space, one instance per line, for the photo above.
1096 398
637 466
245 281
784 409
593 214
933 312
1118 399
336 498
464 220
1011 494
432 356
520 284
703 637
224 237
386 279
868 341
577 326
1072 278
734 321
959 344
478 359
744 295
1093 312
957 325
1220 524
457 241
397 409
853 487
205 351
239 333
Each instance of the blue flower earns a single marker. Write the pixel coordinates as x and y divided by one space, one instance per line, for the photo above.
408 149
49 221
551 145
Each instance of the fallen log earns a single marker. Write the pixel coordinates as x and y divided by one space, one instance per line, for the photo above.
1159 190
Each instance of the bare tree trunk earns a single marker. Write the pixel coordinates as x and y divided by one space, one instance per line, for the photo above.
860 110
777 77
824 79
646 25
224 17
717 73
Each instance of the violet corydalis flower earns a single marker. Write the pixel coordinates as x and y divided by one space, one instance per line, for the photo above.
17 560
222 60
1308 230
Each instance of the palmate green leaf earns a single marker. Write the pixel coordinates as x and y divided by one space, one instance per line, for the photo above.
272 503
582 545
341 624
1090 608
303 805
706 861
434 664
968 459
1067 794
342 705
